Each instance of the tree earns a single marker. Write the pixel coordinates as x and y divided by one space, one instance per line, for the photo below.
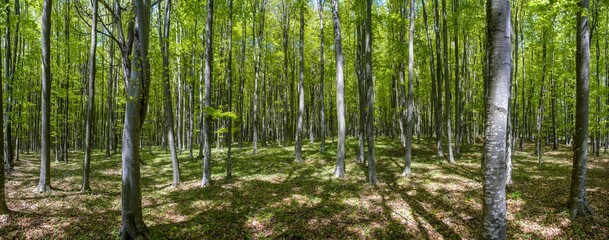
447 96
230 86
44 185
207 105
3 206
499 55
322 69
133 45
339 171
90 101
410 101
298 146
370 94
578 202
164 39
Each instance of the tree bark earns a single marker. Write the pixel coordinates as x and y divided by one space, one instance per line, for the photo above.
497 105
90 101
3 207
578 203
447 89
230 87
438 95
370 94
339 171
301 100
207 104
410 101
538 136
44 184
164 37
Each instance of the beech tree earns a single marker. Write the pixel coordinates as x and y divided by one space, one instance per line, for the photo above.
499 57
164 39
44 184
207 104
578 202
90 100
340 92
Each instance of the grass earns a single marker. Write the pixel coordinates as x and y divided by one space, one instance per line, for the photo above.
271 196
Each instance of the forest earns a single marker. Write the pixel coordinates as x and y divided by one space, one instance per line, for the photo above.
304 119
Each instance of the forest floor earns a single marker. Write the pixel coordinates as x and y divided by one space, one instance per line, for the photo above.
271 196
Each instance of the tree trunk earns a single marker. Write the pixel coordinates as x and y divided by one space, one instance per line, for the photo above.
207 105
301 100
410 101
578 202
538 136
8 132
44 185
90 101
230 87
362 94
339 171
3 206
136 67
447 110
322 115
438 83
458 101
164 37
497 105
370 94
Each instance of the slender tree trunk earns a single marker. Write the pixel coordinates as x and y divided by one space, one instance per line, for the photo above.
538 136
434 92
3 207
362 94
339 171
322 115
230 87
410 101
458 100
301 101
8 132
578 202
90 101
497 105
109 103
438 83
447 89
167 94
370 94
44 185
136 67
208 79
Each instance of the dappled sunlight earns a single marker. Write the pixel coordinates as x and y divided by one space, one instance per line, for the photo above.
271 196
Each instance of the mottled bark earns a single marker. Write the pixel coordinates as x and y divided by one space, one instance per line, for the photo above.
339 171
164 37
370 94
499 55
3 207
322 115
44 184
301 101
230 87
578 203
410 101
207 104
90 101
447 87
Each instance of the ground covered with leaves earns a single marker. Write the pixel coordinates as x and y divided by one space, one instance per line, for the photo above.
271 196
